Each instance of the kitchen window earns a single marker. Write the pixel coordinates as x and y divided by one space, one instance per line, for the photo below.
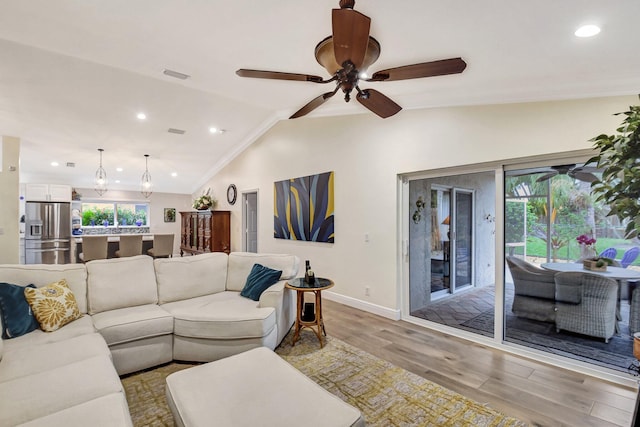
120 214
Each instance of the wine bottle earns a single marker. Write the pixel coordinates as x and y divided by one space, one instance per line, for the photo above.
307 268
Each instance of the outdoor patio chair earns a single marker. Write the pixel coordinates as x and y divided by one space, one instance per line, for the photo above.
609 253
629 256
535 288
586 304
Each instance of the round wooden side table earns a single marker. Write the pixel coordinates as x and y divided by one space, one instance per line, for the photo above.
317 324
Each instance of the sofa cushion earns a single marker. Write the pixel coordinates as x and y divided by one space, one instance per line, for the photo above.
259 279
106 411
190 277
121 282
53 305
39 358
133 323
241 263
43 274
53 390
82 326
225 315
17 317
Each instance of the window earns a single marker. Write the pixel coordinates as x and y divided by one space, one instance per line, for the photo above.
115 214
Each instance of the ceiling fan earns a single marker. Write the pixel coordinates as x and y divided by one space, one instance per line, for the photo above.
349 51
582 173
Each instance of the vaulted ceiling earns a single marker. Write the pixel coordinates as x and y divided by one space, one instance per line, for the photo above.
74 74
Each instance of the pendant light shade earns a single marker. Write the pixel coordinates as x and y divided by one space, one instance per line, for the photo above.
100 182
146 185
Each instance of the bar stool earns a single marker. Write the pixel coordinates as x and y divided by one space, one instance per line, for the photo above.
93 247
162 246
130 245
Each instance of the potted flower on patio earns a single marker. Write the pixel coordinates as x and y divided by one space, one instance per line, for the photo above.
587 246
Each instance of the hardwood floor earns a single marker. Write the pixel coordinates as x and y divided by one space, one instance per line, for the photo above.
533 392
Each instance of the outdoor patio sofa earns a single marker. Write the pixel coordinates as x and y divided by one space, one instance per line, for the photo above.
134 313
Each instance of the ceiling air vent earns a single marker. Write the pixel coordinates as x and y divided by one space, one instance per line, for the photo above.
176 131
175 74
71 165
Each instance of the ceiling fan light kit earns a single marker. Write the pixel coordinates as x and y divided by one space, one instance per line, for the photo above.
346 54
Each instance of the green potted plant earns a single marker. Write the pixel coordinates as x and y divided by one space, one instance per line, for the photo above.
619 159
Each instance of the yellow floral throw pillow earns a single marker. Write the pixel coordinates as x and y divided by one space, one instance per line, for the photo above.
53 305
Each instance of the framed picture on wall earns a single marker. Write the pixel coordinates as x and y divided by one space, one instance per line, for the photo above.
169 214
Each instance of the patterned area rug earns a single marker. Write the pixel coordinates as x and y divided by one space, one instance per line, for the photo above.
385 394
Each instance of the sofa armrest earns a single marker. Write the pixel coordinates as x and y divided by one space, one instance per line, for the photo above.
283 301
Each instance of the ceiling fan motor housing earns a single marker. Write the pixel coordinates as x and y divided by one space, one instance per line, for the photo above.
325 55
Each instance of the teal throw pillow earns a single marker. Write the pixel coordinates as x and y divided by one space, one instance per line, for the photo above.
17 317
259 280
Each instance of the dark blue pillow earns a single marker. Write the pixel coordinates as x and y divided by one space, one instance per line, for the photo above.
259 280
17 317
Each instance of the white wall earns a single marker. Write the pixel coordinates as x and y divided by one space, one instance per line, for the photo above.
367 154
157 203
9 200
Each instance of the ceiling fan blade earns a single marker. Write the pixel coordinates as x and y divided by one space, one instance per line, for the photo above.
547 176
350 36
583 176
313 104
378 103
425 69
277 75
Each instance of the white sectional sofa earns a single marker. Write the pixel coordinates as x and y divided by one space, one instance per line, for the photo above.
137 313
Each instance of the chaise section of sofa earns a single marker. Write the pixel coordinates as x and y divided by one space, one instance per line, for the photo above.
211 319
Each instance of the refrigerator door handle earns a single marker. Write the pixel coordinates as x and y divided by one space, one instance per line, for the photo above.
49 250
49 219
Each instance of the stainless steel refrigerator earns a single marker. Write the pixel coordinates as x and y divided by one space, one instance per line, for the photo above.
47 238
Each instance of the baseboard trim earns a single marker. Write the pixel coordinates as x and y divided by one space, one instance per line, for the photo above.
363 305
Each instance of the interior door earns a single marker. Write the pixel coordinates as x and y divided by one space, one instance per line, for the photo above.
250 220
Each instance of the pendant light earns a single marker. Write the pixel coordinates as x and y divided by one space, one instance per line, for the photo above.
146 184
100 182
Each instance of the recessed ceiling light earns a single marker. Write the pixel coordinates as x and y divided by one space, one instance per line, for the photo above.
55 164
119 169
117 181
174 174
587 31
141 116
213 130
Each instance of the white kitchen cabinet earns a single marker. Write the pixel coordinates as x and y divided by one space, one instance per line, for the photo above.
48 193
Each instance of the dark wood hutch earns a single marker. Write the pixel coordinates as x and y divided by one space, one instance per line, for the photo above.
205 231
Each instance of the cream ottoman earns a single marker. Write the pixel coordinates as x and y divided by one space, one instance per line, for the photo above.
254 388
